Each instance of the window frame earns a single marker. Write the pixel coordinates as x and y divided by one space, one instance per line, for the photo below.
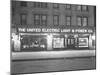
33 47
40 5
23 22
66 20
43 20
44 5
80 8
86 8
23 4
55 5
66 7
40 20
80 20
57 20
85 21
37 22
82 17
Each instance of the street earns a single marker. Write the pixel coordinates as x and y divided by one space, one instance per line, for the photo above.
66 64
52 54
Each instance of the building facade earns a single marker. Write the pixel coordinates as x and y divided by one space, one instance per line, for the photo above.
41 26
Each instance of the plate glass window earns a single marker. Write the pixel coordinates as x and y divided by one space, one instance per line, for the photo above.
58 42
83 42
33 43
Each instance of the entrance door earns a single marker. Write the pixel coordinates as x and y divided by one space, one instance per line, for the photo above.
71 43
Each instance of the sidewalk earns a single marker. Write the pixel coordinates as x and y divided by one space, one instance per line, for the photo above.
52 54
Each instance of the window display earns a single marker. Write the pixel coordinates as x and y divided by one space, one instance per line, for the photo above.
58 42
33 43
83 42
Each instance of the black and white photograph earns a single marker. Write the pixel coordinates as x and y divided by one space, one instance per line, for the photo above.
52 37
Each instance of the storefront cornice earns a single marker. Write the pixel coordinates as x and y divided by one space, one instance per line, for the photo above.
52 26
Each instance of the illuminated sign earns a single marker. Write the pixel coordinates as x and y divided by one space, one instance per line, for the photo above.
55 30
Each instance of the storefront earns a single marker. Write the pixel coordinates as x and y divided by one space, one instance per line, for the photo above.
83 41
33 42
45 39
58 42
70 42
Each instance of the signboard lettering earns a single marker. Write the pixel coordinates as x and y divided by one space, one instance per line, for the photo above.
55 30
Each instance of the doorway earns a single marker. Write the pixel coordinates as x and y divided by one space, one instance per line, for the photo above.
71 43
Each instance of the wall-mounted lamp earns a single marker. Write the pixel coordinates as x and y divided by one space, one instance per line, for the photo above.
93 36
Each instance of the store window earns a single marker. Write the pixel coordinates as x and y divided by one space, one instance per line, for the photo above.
23 19
58 42
83 42
33 43
56 20
68 20
23 4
